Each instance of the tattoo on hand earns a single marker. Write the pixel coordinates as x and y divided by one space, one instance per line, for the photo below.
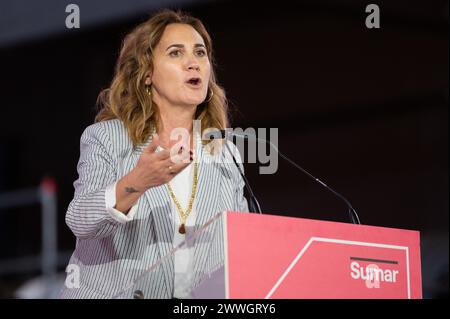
131 190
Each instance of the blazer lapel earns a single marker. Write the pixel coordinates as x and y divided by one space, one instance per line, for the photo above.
207 206
158 200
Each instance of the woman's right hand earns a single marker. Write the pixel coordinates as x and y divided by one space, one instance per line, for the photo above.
157 168
152 169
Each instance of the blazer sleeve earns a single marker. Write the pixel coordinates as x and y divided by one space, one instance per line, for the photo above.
87 215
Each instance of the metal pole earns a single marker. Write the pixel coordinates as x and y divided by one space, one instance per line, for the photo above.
49 256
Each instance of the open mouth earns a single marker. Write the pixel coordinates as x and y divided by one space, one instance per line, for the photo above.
194 81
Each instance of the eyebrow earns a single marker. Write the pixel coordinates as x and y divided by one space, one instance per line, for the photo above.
197 45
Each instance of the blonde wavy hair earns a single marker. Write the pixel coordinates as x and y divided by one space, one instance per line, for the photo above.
126 98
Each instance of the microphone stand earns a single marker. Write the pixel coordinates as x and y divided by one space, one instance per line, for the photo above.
253 204
351 211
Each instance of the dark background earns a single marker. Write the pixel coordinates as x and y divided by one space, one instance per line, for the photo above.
365 110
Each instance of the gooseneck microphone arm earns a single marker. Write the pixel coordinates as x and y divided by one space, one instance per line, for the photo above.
253 204
351 211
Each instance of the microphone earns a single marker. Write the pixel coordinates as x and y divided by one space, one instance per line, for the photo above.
354 218
253 204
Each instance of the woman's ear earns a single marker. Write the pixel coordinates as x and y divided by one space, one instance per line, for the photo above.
148 80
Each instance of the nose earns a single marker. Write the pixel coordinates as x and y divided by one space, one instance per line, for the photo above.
192 64
194 67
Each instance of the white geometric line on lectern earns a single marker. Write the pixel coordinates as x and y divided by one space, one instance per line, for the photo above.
407 271
339 241
289 268
225 248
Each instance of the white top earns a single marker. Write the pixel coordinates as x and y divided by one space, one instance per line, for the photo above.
182 186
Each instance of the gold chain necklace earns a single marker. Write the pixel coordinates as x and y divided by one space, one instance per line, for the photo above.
184 214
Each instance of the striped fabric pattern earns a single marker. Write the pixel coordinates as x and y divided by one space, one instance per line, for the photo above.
112 256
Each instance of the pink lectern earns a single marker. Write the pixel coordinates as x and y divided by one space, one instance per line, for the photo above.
253 256
270 256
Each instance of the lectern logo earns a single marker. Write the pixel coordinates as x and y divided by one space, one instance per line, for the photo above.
372 274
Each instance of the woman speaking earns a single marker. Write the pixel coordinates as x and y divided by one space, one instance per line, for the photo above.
141 189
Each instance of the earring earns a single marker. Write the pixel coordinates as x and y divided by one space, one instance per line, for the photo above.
211 94
148 90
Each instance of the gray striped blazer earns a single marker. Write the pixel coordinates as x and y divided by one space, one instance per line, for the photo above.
111 255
